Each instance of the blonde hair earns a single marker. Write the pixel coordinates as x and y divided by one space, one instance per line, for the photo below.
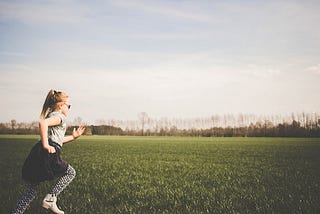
51 101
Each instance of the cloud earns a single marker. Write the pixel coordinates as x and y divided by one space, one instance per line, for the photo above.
161 36
314 69
262 71
12 54
168 11
43 12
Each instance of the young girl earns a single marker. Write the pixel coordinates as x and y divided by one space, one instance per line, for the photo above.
44 161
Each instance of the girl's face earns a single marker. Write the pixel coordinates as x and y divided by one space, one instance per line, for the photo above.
64 107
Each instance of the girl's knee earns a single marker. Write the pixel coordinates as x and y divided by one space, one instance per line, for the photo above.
32 190
71 171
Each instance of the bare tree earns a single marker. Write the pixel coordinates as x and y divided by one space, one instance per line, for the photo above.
100 122
13 124
78 121
143 118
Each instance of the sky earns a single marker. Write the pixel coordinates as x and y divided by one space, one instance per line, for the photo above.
168 58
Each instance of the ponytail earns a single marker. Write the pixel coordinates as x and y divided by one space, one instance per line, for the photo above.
52 99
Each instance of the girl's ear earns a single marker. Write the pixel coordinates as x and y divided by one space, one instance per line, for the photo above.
59 105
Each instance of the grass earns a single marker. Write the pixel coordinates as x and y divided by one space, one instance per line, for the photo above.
175 175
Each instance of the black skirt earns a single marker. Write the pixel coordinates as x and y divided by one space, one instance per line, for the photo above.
41 165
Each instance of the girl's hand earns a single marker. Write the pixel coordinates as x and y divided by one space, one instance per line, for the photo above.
77 133
50 149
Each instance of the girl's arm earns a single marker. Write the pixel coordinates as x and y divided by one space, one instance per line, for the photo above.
75 134
43 126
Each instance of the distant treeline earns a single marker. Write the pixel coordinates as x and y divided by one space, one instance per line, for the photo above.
293 129
300 125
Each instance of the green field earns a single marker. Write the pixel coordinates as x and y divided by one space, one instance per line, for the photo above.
175 175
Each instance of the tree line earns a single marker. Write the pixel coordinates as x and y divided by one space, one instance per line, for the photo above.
241 125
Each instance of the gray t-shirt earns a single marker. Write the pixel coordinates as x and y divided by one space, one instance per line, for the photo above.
56 133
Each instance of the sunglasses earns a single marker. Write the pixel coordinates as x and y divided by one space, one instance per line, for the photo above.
69 106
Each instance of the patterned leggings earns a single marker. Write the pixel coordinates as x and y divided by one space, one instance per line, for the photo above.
31 191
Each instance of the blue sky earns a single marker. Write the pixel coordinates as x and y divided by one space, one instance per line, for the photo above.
167 58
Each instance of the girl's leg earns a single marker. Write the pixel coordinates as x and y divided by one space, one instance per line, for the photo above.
50 201
63 181
26 199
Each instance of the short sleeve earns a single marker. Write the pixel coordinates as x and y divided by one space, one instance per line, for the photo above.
60 115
